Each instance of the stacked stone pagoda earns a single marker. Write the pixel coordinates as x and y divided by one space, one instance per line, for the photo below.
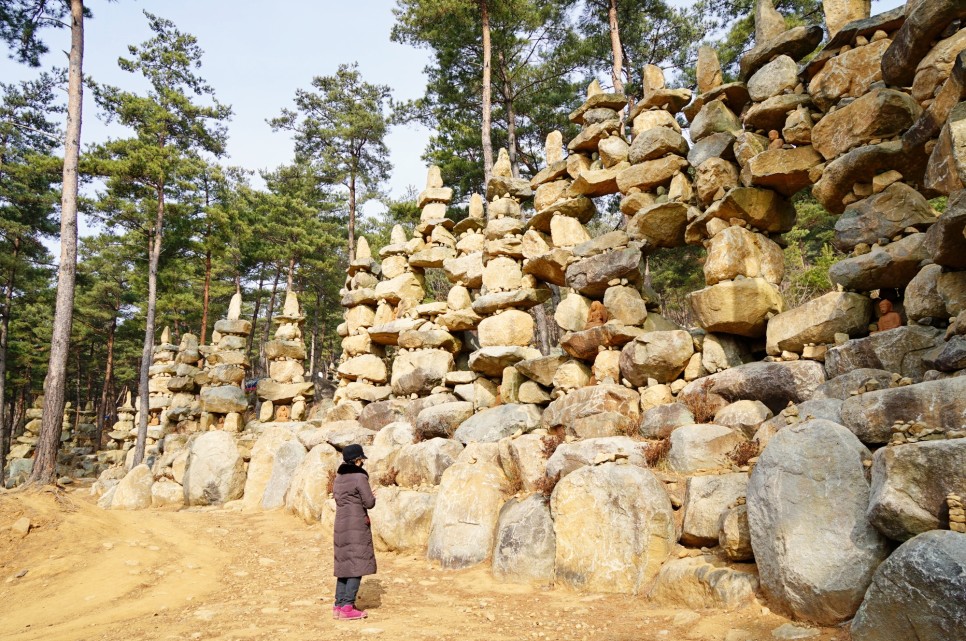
285 392
222 393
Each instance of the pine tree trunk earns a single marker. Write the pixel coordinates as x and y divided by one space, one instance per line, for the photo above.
45 457
291 274
263 366
205 297
258 304
148 351
108 388
352 217
616 50
5 430
511 119
487 96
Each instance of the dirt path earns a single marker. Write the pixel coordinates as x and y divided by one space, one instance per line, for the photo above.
95 575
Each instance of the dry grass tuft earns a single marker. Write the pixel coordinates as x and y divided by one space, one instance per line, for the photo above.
744 452
388 477
546 484
550 444
656 452
703 404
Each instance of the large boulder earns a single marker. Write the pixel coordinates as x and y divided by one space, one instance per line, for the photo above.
935 293
842 386
468 504
524 460
734 537
879 114
917 594
614 526
706 499
401 519
774 384
590 276
419 371
166 493
944 240
569 457
891 266
818 321
910 483
443 419
849 74
424 463
743 416
900 350
807 499
597 410
133 492
261 468
736 251
310 483
224 399
740 307
658 355
215 472
492 424
704 582
660 421
525 544
883 215
940 404
700 447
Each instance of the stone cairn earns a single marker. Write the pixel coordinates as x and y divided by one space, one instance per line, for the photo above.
184 411
957 515
284 393
505 330
23 446
223 398
163 369
426 349
363 375
124 432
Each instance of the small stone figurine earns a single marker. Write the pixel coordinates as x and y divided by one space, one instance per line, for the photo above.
888 318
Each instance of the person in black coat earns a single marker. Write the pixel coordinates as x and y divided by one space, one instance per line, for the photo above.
352 539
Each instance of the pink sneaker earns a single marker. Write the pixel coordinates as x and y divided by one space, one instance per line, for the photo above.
336 612
349 613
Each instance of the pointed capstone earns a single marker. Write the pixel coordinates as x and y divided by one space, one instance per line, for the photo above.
554 147
476 207
362 249
652 79
291 307
709 69
434 179
398 236
502 167
594 88
769 23
234 307
165 336
839 13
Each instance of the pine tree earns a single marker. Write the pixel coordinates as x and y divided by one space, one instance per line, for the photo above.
171 132
340 125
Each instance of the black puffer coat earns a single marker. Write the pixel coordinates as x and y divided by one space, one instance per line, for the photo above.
354 555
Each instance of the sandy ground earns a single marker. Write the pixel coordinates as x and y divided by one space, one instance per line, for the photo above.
85 574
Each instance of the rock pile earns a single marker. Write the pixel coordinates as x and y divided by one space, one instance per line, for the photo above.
957 515
223 397
284 392
185 408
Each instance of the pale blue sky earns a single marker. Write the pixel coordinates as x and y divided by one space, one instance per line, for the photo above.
257 54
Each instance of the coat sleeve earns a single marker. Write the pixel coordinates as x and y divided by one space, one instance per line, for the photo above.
365 493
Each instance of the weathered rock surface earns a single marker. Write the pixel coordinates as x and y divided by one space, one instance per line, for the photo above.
880 114
743 416
308 490
939 404
492 424
660 421
944 240
773 79
260 468
463 528
614 528
133 492
419 371
598 410
774 384
734 537
705 501
842 386
704 582
899 350
591 275
443 419
569 457
740 307
701 447
910 483
736 252
916 594
401 519
525 544
817 321
425 462
883 215
224 399
807 498
658 355
891 266
215 472
849 74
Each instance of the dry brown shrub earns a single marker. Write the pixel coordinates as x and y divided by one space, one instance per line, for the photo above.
743 452
656 451
546 484
550 443
330 486
703 404
388 477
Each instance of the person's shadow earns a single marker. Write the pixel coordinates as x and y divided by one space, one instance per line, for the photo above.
370 594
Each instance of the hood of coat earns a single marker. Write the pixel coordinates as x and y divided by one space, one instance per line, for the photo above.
349 468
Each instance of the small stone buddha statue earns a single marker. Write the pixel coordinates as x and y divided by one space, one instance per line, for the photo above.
888 318
282 414
597 315
775 140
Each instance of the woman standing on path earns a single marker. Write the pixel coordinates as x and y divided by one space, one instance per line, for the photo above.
354 555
